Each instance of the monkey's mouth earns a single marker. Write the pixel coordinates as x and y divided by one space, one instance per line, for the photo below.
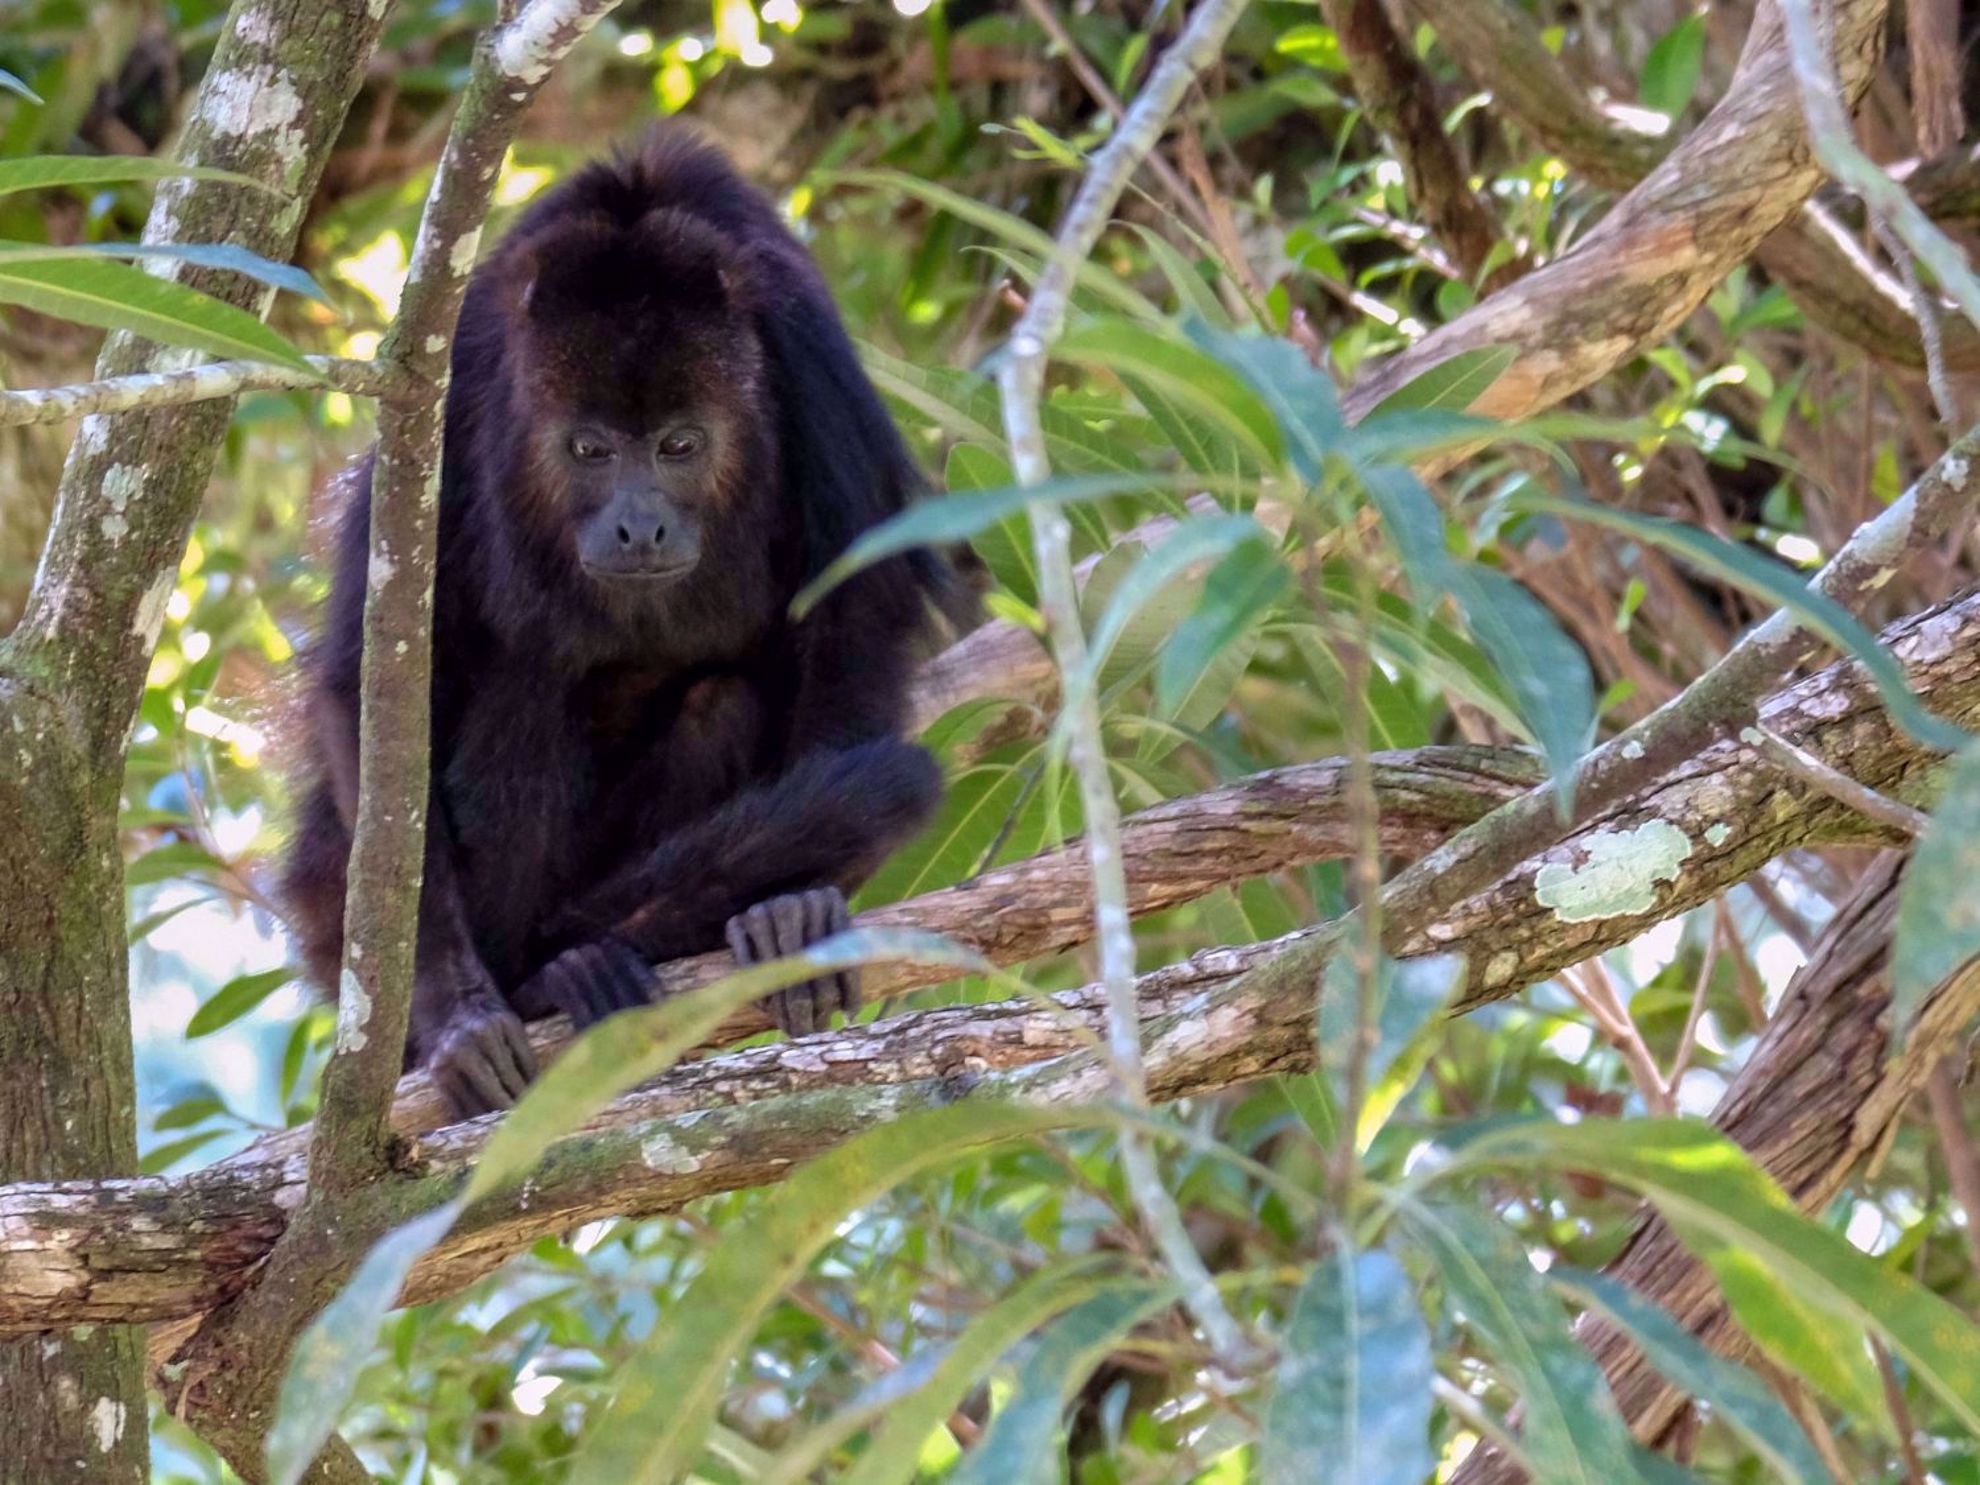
611 575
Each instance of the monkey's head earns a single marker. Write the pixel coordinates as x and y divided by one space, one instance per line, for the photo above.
643 381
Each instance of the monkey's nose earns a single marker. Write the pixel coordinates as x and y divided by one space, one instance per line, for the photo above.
630 540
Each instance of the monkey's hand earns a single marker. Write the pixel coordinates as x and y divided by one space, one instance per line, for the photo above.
591 981
790 925
481 1059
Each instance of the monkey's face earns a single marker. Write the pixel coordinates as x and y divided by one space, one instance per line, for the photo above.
641 384
637 499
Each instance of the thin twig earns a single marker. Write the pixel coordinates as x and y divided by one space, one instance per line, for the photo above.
216 379
1835 146
1798 762
1946 1099
1021 382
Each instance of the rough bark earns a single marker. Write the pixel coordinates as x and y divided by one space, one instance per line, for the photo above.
159 1249
70 679
1832 280
226 1378
1401 101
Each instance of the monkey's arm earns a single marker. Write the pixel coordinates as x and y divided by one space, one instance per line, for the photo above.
462 1029
765 872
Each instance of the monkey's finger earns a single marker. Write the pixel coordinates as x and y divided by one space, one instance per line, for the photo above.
739 946
520 1049
827 993
797 1005
479 1074
510 1056
839 920
632 979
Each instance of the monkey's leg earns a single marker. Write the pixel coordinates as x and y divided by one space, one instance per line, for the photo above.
789 925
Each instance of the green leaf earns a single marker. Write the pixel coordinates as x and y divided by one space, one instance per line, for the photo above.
1670 70
1573 1432
224 255
1739 1397
1301 399
1353 1400
1454 383
1408 994
1195 541
115 296
1000 224
1019 1447
324 1368
1006 546
1820 614
164 1156
1938 915
955 518
669 1389
38 172
1801 1291
893 1454
13 84
1415 524
1194 379
1240 590
976 810
235 999
1547 671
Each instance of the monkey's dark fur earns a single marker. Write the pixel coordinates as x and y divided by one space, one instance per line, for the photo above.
657 431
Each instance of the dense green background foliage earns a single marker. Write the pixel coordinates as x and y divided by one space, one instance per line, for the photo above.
1413 1237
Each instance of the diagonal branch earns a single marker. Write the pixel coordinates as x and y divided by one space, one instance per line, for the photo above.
1829 276
165 1249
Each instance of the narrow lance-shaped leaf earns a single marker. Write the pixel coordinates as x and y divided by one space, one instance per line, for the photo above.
1573 1432
39 172
1801 1291
893 1454
1547 671
1300 397
224 255
1019 1448
1454 383
1736 1394
1192 378
235 999
329 1354
115 296
669 1389
1239 592
1938 915
958 517
1820 614
1353 1397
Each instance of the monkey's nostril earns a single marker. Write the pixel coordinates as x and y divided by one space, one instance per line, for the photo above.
659 535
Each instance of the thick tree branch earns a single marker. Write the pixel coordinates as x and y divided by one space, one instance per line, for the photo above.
1834 282
158 1249
227 1375
70 679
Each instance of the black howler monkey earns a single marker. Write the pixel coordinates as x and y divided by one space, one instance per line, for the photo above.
657 431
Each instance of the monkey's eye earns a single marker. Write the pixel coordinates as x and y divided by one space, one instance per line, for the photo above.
681 443
588 448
